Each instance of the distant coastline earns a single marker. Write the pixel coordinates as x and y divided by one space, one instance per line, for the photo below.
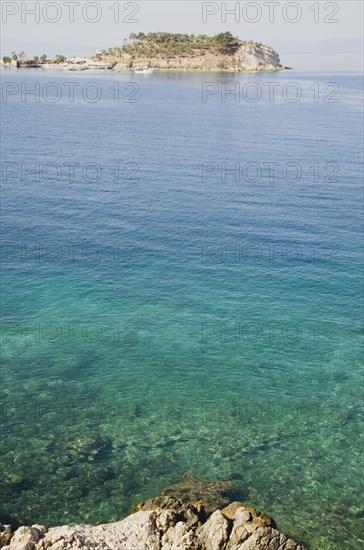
165 52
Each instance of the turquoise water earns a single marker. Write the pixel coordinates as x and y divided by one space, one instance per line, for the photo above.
167 319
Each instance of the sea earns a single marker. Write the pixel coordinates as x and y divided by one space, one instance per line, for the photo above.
181 270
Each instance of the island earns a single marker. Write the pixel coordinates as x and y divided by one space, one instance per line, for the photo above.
167 51
164 51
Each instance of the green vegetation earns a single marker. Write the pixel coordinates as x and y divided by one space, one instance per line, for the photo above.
170 45
226 43
60 59
22 57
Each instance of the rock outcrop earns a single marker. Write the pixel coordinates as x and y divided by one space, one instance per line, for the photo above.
163 523
254 56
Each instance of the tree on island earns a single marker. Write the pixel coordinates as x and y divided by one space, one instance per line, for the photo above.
60 59
168 45
14 56
43 58
36 59
7 60
141 37
226 43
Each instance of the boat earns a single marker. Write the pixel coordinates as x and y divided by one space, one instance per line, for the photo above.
28 65
100 66
145 71
78 68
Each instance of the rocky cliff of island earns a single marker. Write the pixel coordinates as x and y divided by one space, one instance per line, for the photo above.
168 51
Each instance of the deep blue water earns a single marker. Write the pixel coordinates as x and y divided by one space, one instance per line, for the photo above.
168 316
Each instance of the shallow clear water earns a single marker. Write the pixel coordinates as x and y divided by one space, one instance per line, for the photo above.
163 320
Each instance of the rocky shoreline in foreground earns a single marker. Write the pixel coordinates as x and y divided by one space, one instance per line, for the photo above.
192 515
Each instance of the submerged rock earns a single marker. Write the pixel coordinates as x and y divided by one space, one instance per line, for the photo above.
88 447
191 490
163 523
12 479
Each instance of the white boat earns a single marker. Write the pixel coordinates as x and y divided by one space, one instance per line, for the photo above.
145 71
78 68
99 66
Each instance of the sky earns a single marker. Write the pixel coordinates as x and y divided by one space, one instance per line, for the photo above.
306 33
